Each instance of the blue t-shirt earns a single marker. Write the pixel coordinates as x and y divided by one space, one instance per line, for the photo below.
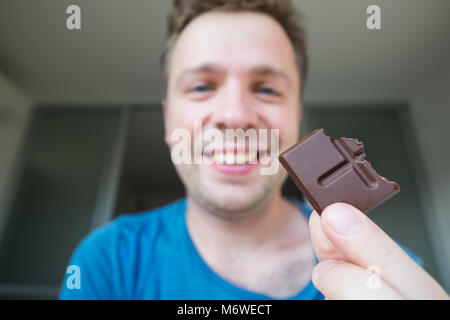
150 255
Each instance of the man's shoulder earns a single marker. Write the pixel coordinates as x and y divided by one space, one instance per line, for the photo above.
110 256
163 214
131 227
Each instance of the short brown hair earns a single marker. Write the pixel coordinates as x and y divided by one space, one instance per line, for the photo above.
184 11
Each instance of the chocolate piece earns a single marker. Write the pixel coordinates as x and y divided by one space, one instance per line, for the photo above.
328 170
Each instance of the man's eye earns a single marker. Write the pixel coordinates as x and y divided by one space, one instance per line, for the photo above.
267 90
201 88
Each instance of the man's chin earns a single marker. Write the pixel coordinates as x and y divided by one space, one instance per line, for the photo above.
231 198
233 201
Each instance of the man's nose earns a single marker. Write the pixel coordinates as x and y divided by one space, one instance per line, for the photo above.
235 108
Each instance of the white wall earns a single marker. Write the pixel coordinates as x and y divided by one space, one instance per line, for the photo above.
431 118
15 108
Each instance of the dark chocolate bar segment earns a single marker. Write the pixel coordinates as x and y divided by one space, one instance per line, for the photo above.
331 170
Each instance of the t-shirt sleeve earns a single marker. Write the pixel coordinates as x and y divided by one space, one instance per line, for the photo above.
92 271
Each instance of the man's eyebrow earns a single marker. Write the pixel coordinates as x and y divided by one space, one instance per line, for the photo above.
203 68
262 70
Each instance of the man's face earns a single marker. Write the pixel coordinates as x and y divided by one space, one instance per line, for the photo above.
233 71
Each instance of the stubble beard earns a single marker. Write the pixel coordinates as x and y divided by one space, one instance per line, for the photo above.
231 205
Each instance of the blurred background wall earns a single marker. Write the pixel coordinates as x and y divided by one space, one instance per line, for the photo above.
81 131
14 119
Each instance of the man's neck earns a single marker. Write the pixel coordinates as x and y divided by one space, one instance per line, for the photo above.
268 224
268 251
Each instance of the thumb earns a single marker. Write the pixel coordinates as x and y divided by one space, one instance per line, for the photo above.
323 247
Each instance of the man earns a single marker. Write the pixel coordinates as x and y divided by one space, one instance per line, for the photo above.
240 65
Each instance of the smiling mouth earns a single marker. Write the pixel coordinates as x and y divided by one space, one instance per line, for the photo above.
235 157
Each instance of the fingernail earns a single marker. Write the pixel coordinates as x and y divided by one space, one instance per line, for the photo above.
343 219
322 267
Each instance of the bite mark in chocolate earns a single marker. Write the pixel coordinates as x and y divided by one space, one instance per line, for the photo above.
331 170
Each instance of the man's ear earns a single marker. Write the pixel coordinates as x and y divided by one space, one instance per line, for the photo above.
166 129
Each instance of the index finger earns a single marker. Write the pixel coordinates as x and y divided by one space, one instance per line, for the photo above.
363 243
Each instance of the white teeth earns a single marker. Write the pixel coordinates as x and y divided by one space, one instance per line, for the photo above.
229 158
240 157
218 157
252 156
235 158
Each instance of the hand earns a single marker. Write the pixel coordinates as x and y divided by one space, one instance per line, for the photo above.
348 244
